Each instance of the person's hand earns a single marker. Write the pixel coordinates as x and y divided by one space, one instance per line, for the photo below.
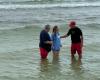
48 42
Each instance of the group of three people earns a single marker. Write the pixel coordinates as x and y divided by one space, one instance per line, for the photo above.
53 42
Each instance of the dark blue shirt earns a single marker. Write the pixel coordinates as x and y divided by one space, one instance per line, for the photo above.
44 36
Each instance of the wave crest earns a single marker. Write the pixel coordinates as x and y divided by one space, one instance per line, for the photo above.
26 6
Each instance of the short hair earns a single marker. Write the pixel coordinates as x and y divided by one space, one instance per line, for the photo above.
47 26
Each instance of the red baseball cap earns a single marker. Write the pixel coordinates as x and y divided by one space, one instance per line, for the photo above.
72 23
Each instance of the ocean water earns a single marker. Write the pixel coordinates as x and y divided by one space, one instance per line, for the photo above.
20 24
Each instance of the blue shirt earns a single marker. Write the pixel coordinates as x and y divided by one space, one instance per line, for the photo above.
56 42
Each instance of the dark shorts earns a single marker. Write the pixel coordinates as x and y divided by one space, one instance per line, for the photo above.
76 47
43 53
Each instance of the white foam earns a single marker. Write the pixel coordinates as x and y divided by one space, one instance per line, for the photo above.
11 28
25 6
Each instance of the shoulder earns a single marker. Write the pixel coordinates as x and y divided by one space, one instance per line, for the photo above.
78 28
42 31
45 33
70 29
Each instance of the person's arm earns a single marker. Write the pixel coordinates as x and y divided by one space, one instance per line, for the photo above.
64 36
81 36
81 40
48 42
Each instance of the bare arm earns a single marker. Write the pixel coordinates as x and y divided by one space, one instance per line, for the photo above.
64 36
81 40
48 42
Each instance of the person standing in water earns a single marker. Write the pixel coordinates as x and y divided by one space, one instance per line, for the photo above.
45 42
76 40
56 45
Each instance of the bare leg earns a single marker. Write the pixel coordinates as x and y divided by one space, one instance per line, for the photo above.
79 58
79 54
72 55
55 54
79 62
73 60
55 58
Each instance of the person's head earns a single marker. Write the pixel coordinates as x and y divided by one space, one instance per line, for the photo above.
72 24
55 29
47 27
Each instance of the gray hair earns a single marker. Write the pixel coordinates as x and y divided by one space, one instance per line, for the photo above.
47 26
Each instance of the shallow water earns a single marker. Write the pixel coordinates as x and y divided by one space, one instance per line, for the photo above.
26 65
20 59
20 24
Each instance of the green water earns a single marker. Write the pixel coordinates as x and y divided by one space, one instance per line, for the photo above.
24 63
20 24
